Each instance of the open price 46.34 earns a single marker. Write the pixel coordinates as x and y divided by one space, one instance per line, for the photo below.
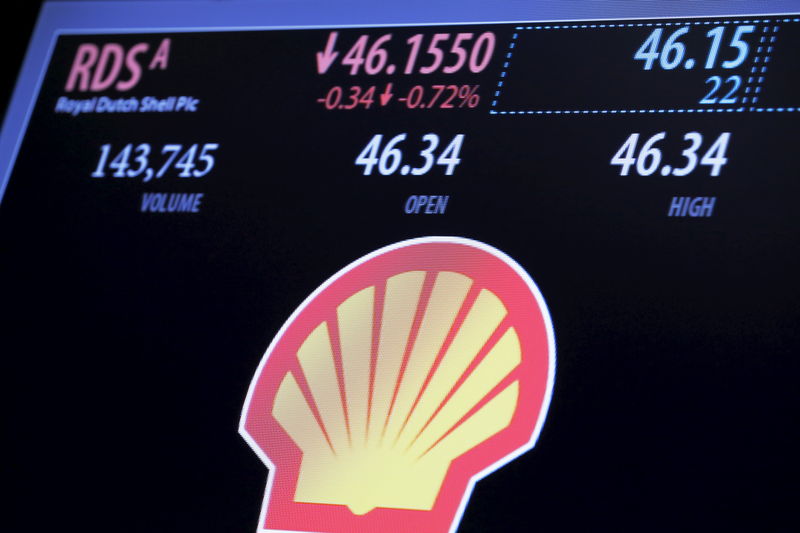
389 157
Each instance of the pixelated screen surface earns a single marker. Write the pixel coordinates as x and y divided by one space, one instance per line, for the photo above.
335 267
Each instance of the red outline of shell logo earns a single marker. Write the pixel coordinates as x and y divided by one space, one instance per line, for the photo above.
399 383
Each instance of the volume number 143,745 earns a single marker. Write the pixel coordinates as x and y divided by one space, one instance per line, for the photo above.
134 161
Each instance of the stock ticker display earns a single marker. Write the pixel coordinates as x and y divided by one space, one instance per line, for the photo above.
477 277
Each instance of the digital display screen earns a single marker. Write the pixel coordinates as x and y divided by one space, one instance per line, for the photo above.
267 269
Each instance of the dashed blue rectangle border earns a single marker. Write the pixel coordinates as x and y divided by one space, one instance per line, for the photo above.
493 110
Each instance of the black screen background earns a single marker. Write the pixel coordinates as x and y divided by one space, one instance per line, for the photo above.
133 336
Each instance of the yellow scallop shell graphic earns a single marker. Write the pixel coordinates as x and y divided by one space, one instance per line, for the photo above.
396 376
390 460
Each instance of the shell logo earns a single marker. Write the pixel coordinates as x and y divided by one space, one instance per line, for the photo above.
398 384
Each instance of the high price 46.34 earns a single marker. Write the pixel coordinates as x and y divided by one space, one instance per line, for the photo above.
646 158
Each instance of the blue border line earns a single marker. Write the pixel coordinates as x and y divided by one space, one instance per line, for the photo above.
647 111
654 24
